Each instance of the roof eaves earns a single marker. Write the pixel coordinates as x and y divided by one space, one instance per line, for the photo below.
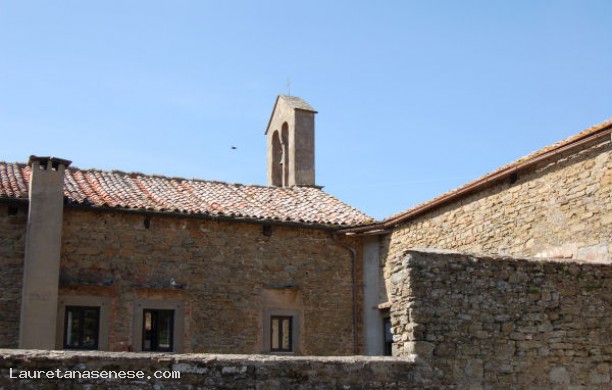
207 216
591 134
12 199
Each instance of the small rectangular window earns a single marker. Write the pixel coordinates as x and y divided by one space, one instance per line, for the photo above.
81 327
388 336
157 330
281 339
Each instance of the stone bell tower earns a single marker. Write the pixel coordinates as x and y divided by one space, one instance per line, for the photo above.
290 137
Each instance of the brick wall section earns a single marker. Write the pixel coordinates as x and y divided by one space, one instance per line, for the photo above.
13 220
199 371
494 322
220 270
560 208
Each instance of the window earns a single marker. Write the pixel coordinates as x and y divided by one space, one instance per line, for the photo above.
281 328
159 325
76 315
81 327
387 336
157 330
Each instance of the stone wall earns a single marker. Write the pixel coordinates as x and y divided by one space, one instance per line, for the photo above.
496 322
198 371
226 274
13 219
560 208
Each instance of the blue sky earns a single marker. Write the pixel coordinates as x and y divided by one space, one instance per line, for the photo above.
414 97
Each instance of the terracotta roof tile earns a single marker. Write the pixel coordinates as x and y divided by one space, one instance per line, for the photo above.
135 191
570 144
508 169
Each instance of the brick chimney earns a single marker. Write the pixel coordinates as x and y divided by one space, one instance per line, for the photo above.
42 253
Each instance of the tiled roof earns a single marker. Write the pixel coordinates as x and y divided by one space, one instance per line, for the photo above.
297 102
508 169
595 132
134 191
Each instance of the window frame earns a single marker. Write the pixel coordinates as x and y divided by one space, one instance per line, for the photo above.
296 327
142 304
81 311
102 302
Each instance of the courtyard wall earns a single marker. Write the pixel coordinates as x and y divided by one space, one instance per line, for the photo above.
203 371
491 322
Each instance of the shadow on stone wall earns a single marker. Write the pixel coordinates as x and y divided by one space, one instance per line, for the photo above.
500 322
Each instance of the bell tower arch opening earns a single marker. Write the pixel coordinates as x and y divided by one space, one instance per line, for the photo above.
285 153
277 161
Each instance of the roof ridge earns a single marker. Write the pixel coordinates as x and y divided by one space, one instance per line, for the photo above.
116 189
506 169
135 174
14 162
297 102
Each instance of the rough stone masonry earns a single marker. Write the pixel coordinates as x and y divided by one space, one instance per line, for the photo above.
497 322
